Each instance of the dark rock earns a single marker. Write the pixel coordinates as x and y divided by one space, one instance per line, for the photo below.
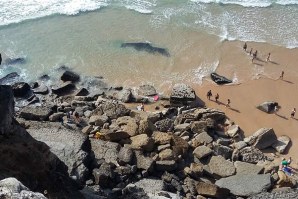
6 109
64 89
81 92
146 90
224 151
218 79
267 107
44 78
164 125
39 113
211 190
12 61
140 46
21 89
104 175
34 100
245 184
247 168
70 76
34 85
42 89
113 110
144 162
10 79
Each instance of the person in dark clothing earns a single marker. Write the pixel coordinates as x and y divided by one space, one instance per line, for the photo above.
0 59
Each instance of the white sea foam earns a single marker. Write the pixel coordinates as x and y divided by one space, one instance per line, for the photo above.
141 6
250 3
204 70
15 11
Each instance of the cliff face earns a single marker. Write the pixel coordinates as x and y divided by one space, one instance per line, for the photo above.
29 160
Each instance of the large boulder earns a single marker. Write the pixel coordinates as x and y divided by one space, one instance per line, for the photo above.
104 175
70 76
146 90
251 155
143 162
281 144
39 113
247 168
6 109
142 142
201 152
267 107
70 146
245 184
221 167
125 96
12 61
263 138
12 188
105 150
128 125
182 94
21 89
64 89
10 79
113 109
218 79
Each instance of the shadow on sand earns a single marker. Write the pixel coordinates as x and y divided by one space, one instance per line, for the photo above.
281 116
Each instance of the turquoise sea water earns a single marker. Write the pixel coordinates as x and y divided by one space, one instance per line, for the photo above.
87 34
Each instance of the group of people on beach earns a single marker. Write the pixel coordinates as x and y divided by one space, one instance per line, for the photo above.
255 54
209 95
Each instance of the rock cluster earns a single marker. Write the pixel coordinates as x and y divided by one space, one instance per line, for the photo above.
110 151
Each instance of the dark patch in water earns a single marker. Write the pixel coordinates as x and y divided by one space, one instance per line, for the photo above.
12 61
141 46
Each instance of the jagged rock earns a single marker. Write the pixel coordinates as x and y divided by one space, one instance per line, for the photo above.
64 89
245 184
247 168
104 175
224 141
251 155
287 193
125 156
146 127
113 110
10 79
221 167
42 89
262 138
98 120
81 92
211 190
199 127
161 138
166 165
281 144
125 96
128 125
201 152
267 107
190 185
6 109
166 154
21 89
147 90
218 79
179 145
56 117
142 142
196 170
70 76
39 113
105 150
182 94
224 151
69 146
143 162
207 113
239 145
164 125
233 131
12 188
202 138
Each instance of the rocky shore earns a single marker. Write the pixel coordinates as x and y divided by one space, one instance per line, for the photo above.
79 139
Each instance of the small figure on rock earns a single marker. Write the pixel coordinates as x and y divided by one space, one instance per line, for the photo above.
216 97
293 112
245 46
209 94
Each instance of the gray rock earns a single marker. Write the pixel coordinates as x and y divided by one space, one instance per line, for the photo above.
105 150
70 76
262 138
146 127
98 120
114 110
221 167
21 89
10 79
199 127
71 147
224 151
125 156
87 129
247 168
125 96
201 152
81 92
251 155
166 165
268 106
233 131
151 185
167 154
56 117
281 144
104 175
6 109
202 138
143 162
283 193
64 89
146 90
42 89
239 145
39 113
245 184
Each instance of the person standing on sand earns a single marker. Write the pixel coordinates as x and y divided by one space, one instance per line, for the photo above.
268 57
228 103
282 75
293 112
250 52
216 97
254 56
209 94
245 46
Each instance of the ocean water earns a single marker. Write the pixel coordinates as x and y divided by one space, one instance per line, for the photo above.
86 35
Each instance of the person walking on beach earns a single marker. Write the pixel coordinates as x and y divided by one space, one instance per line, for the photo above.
228 103
216 97
254 56
282 75
0 58
245 46
268 57
293 112
209 94
250 52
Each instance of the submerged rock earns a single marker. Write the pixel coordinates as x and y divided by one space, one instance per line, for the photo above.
12 61
70 76
218 79
10 78
147 47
